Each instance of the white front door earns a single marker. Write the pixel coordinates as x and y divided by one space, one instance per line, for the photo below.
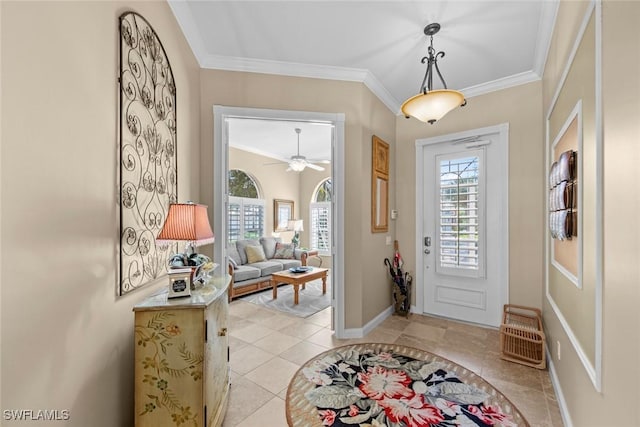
465 224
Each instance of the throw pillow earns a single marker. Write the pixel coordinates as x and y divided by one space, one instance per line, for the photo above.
284 251
255 254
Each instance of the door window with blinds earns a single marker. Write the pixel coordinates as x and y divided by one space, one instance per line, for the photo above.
460 229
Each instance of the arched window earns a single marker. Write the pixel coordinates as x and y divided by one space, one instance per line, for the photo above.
246 214
320 218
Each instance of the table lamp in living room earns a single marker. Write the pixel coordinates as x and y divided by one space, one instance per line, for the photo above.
186 222
295 225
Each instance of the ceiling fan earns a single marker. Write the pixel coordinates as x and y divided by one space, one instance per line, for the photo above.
298 162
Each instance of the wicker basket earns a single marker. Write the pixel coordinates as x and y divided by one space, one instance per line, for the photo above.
522 339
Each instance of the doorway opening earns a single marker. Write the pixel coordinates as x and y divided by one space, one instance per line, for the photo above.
278 150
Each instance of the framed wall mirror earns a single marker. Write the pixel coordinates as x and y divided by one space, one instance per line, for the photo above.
282 214
379 186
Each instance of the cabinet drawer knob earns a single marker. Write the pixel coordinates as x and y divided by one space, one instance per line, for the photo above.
222 332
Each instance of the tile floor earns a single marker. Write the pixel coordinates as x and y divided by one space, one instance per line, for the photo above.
268 347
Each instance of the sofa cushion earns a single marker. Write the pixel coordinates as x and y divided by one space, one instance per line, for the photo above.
288 263
242 244
266 267
232 253
254 254
245 272
283 251
269 245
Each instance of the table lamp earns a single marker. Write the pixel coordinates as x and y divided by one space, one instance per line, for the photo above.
296 226
186 222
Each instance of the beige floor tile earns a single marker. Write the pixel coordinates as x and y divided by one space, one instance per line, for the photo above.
395 322
282 320
242 309
321 318
467 339
245 397
277 342
251 333
248 358
236 344
264 317
325 338
270 415
472 360
380 335
429 320
300 329
415 342
302 352
273 375
432 333
531 403
239 323
495 368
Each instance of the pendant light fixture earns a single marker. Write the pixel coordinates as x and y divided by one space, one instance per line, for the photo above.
431 105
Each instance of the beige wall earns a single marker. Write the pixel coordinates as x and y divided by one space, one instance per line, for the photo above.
521 108
577 304
67 339
621 295
364 114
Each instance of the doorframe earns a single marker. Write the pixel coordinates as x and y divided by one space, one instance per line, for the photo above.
503 142
220 164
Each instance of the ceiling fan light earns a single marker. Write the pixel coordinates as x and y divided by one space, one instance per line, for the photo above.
297 165
432 106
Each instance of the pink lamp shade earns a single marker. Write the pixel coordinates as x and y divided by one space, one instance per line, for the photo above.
186 222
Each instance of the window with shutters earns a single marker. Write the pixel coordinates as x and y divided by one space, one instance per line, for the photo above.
246 213
320 217
460 188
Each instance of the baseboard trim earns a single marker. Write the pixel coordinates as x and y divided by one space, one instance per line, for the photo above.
370 326
555 381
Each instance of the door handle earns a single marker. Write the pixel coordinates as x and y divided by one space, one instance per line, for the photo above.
427 251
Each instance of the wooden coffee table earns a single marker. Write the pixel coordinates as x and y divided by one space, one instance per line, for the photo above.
297 280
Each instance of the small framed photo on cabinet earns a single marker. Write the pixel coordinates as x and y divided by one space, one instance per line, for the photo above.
179 283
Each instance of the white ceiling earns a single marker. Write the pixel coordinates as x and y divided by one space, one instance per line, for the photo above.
489 45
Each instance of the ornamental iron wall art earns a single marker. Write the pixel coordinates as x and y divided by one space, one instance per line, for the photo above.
148 163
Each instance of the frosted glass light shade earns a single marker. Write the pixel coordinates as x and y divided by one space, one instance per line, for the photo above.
297 165
186 222
433 105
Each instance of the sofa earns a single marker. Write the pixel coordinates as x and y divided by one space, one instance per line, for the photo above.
251 263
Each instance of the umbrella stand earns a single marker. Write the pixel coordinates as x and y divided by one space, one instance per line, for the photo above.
401 289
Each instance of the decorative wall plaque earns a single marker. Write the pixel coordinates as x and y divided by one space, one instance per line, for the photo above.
147 166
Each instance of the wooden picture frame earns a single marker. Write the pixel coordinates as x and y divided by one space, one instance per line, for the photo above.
282 214
379 186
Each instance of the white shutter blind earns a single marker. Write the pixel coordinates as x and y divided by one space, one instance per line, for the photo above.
321 227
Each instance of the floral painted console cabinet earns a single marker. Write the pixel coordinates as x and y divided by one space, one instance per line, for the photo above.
182 358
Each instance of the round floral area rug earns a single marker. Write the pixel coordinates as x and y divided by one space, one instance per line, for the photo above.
376 385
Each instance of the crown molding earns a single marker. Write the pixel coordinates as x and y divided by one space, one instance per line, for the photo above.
382 93
499 84
187 24
547 23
